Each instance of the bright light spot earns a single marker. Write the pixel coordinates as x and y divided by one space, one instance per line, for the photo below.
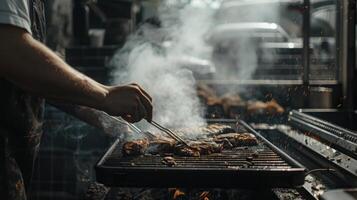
273 26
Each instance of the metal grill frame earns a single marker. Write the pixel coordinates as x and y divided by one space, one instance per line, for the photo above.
337 136
133 176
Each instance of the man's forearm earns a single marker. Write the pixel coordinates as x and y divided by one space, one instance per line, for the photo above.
35 68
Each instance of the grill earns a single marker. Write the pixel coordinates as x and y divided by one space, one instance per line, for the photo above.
263 165
322 125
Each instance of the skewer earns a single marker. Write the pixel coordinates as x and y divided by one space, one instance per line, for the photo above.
169 132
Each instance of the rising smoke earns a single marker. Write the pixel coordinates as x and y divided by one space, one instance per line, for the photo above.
150 55
150 58
236 36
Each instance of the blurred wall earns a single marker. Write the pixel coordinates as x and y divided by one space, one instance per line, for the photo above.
59 24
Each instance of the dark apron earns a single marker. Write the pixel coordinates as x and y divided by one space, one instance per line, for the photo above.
21 118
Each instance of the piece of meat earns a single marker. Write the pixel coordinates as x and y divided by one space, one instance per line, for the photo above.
212 129
216 129
274 108
213 101
183 150
206 148
237 139
169 161
134 148
205 92
231 100
139 147
161 146
258 107
196 149
226 144
176 194
233 105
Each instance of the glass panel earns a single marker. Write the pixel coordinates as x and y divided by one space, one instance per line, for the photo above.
259 40
323 64
264 39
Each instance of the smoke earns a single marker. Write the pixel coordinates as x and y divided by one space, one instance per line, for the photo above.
241 27
202 30
152 57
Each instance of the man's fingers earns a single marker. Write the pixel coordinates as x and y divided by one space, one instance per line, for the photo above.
128 118
146 101
143 91
137 113
142 111
147 106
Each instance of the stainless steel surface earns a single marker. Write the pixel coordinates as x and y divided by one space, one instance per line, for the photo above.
328 168
347 52
335 157
168 132
341 194
306 42
320 97
338 136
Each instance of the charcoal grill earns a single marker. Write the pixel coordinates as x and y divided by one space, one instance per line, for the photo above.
269 167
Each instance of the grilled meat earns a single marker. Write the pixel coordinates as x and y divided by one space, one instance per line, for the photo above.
183 150
236 139
232 104
206 148
142 146
274 107
134 148
139 147
259 107
232 101
216 129
221 137
212 129
169 161
161 146
196 149
206 94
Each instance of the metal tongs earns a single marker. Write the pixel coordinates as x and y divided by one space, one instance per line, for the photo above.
147 133
169 132
132 126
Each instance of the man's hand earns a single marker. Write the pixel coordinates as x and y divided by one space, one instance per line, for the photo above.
131 102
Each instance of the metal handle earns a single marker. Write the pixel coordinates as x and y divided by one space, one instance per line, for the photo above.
168 132
132 126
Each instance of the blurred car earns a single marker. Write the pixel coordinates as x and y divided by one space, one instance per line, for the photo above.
267 35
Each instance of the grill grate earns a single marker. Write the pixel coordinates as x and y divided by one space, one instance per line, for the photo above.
256 166
255 158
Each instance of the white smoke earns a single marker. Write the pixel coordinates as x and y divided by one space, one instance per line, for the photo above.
150 58
153 56
236 36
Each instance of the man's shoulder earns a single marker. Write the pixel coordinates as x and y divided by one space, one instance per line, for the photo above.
16 13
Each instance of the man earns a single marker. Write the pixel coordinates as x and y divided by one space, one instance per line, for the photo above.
28 72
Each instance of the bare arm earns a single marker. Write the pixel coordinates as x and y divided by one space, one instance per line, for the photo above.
35 68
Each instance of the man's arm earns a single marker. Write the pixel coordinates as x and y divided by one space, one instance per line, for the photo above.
35 68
